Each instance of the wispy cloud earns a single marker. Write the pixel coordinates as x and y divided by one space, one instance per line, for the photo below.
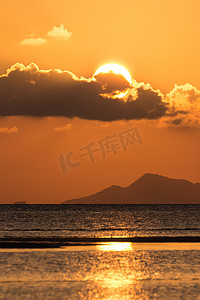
33 42
59 32
8 130
65 128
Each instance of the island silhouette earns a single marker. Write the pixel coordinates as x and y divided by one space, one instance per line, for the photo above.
148 189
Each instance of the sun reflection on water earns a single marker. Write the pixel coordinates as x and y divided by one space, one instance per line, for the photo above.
115 246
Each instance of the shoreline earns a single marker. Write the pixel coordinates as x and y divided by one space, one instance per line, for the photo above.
57 242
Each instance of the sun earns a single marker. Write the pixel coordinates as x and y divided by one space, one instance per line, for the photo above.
113 87
116 69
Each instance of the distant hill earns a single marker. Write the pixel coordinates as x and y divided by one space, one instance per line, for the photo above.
148 189
20 202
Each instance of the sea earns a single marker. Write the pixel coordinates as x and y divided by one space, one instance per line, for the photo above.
104 267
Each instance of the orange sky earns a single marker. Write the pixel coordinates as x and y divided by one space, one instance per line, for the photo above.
29 158
157 41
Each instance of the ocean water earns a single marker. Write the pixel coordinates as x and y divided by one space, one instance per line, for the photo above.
99 220
111 270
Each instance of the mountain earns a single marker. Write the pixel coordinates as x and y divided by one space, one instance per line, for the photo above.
148 189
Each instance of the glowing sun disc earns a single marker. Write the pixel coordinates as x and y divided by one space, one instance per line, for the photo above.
116 69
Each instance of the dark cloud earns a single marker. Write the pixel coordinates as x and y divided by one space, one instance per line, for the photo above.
32 92
112 83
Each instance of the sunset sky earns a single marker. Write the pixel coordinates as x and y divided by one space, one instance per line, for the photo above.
53 103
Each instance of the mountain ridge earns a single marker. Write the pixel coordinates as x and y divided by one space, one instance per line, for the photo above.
150 188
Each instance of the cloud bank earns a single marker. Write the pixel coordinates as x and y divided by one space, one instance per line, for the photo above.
33 92
30 91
